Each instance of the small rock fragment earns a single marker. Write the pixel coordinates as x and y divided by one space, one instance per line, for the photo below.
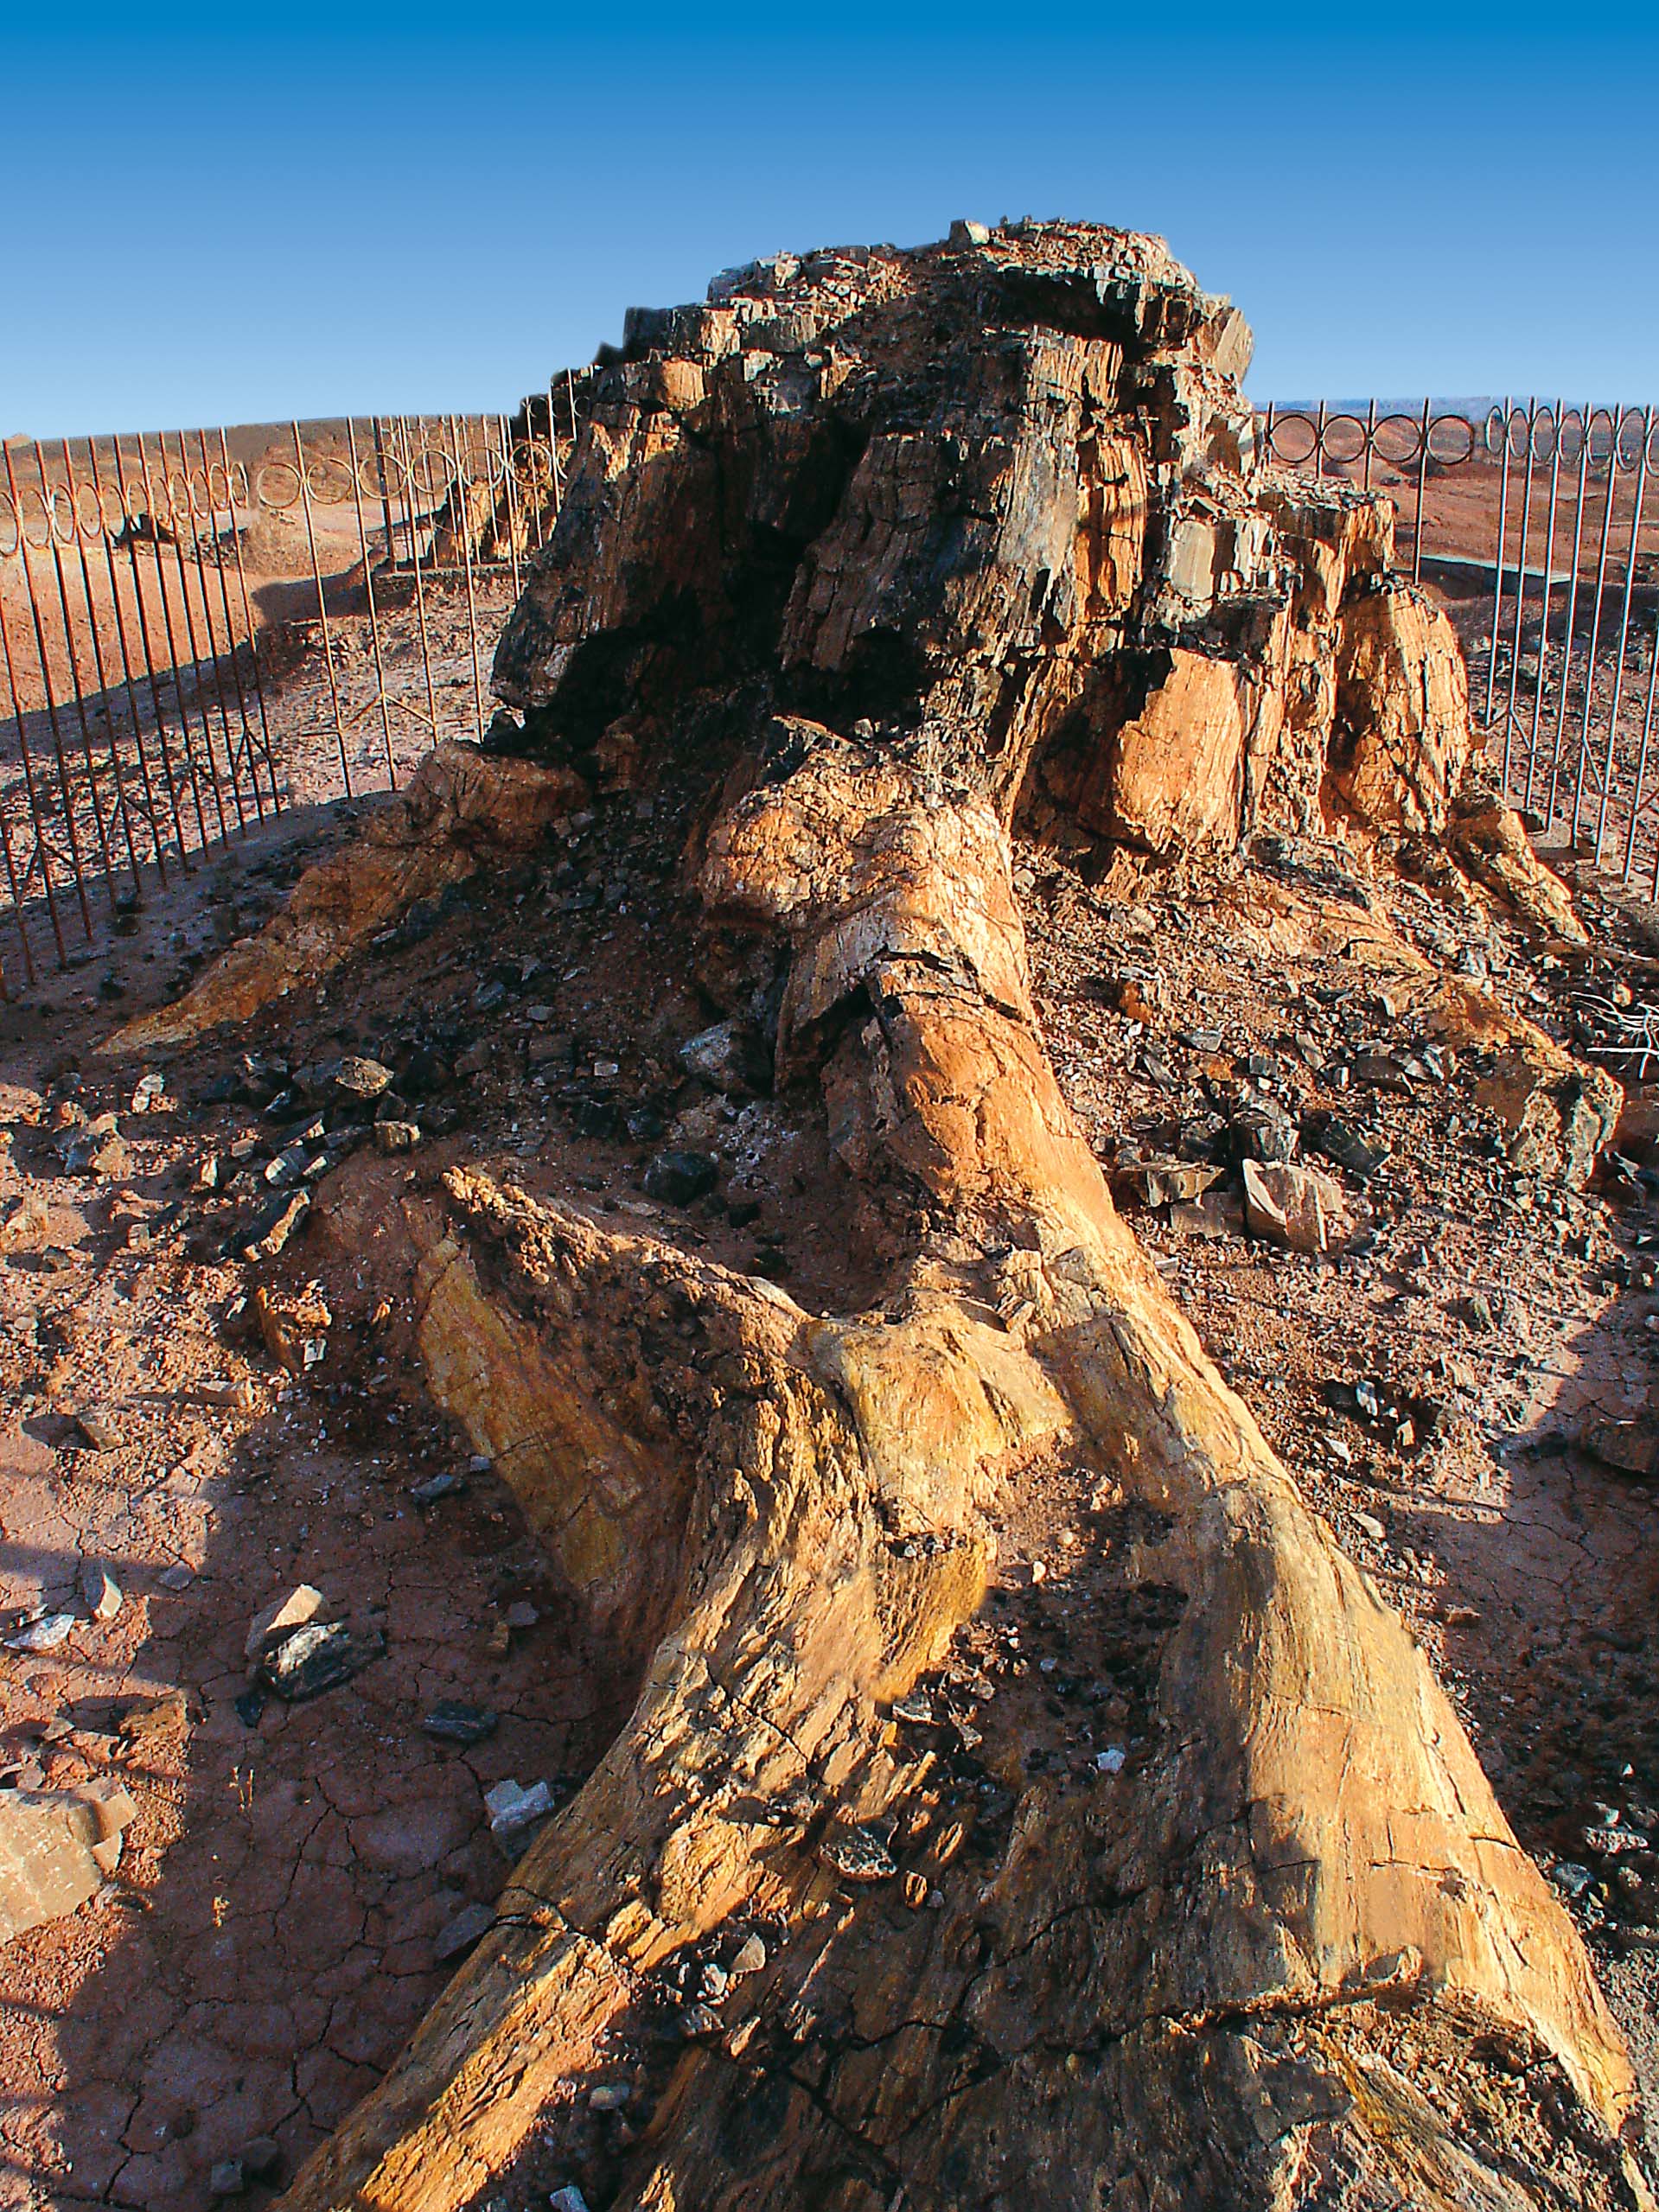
396 1136
261 2158
568 2199
462 1932
858 1855
677 1178
511 1806
609 2096
44 1634
452 1723
99 1591
270 1230
750 1957
177 1577
281 1617
357 1077
448 1485
226 2178
157 1716
314 1659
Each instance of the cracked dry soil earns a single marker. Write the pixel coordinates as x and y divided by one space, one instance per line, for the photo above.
270 1936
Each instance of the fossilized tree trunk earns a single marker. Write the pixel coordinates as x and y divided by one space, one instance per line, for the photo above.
890 542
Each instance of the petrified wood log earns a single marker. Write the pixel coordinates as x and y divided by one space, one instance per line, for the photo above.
888 545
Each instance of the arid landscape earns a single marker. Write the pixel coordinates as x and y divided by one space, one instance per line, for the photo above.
877 1415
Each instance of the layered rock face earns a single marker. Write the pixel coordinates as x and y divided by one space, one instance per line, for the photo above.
1009 488
878 548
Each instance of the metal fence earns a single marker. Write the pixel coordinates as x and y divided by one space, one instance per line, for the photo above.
195 638
200 630
1539 525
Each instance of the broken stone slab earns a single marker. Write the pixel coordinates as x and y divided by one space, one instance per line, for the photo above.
56 1849
1342 1142
99 1591
44 1633
294 1326
318 1658
728 1057
1630 1447
270 1231
677 1178
294 1609
1296 1207
99 1433
1163 1182
462 1932
511 1806
453 1723
356 1076
157 1716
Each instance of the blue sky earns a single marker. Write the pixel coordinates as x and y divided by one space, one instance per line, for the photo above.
369 208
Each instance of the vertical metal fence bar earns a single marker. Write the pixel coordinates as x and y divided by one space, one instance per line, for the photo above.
130 520
420 608
1572 608
105 688
1424 435
49 694
321 609
1617 421
18 891
385 496
174 654
552 454
1519 593
1497 567
129 682
1623 645
247 617
244 757
49 508
509 504
200 566
1544 617
373 616
462 489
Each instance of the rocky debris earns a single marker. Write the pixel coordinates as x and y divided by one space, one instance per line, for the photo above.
294 1325
294 1609
57 1847
454 1722
164 1715
44 1632
680 1178
270 1230
316 1658
396 1136
729 1057
514 1805
462 1933
858 1854
101 1593
1630 1446
461 807
353 1076
1296 1207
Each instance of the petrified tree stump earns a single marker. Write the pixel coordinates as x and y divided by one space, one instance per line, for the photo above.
890 545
